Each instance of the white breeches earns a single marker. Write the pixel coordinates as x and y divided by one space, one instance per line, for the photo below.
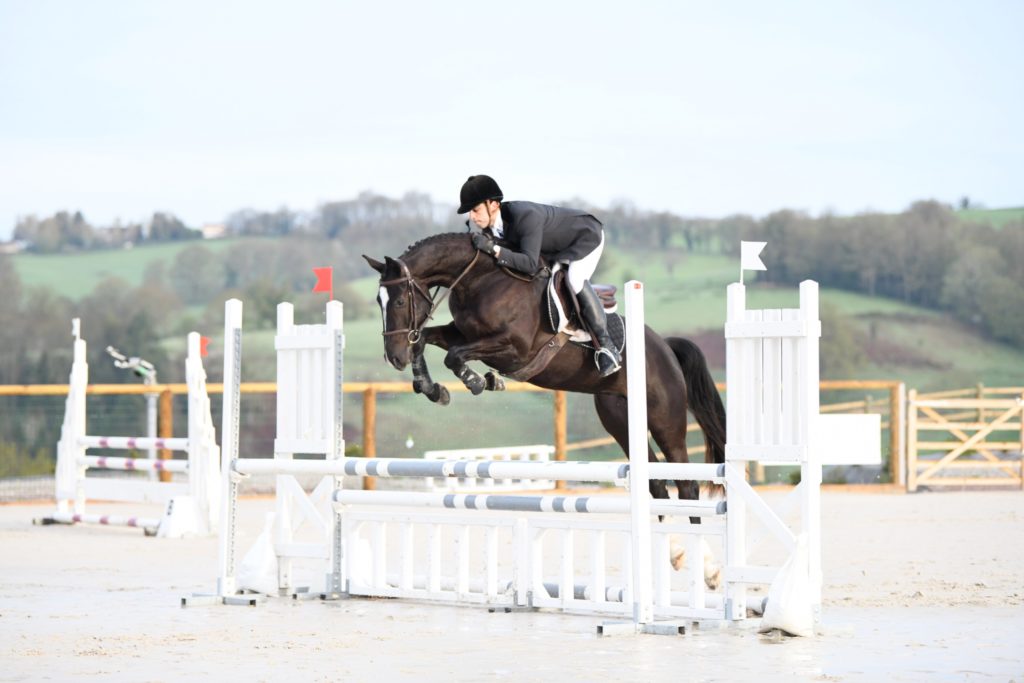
582 270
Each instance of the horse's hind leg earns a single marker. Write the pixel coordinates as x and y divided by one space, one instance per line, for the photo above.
670 435
672 441
613 413
666 417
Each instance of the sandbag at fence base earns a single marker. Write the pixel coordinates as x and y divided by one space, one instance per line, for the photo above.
182 518
790 605
258 570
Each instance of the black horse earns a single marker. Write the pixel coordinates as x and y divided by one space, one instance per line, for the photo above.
501 320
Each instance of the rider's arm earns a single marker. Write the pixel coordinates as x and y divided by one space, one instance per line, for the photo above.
527 259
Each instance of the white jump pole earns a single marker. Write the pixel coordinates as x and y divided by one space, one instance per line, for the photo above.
639 490
229 445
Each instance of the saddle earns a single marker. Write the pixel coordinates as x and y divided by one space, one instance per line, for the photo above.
564 310
564 317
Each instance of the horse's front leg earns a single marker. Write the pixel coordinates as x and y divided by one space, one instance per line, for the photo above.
487 350
422 383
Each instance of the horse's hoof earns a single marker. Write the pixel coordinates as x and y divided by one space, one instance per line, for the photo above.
713 579
676 554
494 383
475 383
439 395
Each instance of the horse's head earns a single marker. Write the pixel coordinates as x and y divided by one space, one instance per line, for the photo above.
405 307
404 294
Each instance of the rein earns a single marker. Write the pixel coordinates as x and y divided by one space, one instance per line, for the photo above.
414 330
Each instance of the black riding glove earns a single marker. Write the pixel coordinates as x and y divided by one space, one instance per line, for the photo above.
483 243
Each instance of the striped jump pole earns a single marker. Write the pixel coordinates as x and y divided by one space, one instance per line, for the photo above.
147 523
606 472
133 443
551 503
134 464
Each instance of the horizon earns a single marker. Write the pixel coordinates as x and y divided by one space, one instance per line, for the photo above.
304 211
196 110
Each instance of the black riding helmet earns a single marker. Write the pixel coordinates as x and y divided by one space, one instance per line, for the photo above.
476 189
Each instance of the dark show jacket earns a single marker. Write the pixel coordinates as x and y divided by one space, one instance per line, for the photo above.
533 229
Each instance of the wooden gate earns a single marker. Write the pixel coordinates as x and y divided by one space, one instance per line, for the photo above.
986 439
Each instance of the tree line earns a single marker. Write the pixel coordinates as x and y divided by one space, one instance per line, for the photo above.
925 255
67 232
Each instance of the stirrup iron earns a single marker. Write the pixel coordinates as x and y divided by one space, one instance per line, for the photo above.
611 356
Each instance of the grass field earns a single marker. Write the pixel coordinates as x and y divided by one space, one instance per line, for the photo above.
75 275
995 217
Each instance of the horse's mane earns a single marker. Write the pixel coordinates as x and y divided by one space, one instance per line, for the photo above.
443 237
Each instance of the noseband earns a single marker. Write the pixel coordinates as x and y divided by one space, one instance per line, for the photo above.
413 288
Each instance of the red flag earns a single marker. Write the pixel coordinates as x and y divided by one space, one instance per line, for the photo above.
324 280
204 342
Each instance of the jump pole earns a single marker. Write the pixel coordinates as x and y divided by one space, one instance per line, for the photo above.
639 489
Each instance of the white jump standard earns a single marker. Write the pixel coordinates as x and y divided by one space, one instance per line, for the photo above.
191 507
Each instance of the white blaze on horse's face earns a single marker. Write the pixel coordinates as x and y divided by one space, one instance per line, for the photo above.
382 297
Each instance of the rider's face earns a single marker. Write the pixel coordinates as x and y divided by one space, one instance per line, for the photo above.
483 214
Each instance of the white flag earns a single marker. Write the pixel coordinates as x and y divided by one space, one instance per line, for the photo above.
750 258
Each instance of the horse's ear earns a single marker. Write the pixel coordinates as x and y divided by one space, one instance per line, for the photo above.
375 264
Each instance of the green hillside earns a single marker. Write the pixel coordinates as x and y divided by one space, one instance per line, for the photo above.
995 217
685 296
75 275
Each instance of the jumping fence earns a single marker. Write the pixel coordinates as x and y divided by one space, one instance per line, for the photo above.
773 416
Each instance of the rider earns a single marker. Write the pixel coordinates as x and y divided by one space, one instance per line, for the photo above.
529 230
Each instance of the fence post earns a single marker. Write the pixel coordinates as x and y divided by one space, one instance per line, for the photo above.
911 440
1021 418
560 433
369 432
896 455
166 428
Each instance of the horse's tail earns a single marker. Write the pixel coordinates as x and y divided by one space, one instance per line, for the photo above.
702 395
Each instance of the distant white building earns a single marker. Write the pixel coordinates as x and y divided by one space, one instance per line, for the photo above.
212 231
12 247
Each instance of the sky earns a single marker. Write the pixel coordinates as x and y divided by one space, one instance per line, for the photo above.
120 109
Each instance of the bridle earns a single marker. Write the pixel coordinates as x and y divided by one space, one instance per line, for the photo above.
413 288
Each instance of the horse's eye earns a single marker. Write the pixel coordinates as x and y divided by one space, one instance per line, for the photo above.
399 302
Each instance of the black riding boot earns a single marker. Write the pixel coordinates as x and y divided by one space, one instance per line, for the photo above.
607 357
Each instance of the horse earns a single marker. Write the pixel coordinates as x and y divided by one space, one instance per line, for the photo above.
500 319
